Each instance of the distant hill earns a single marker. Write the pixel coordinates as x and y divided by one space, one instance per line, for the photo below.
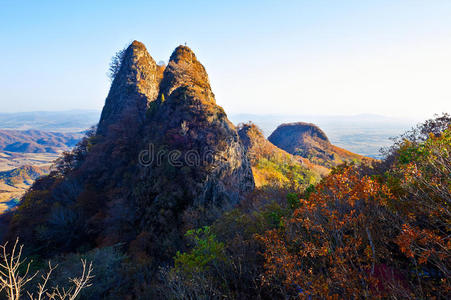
362 134
36 141
24 175
274 166
309 141
59 121
14 183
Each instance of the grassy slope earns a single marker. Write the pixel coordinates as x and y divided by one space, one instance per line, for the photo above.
274 166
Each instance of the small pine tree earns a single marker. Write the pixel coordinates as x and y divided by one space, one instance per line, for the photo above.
115 64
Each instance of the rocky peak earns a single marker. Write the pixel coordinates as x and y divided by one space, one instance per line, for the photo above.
184 70
182 53
251 135
133 88
191 124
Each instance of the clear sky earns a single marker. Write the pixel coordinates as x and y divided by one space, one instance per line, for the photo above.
299 57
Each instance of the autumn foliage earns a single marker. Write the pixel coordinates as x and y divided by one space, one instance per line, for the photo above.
380 235
330 246
378 231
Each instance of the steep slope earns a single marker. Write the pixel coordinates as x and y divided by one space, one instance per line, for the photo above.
164 156
309 141
202 161
274 166
188 120
133 88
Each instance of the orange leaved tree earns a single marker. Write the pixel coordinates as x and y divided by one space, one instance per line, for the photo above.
332 245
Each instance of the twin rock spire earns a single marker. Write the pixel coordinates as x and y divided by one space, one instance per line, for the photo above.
201 161
144 107
137 84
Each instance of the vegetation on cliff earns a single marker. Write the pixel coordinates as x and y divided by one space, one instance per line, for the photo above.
272 166
362 232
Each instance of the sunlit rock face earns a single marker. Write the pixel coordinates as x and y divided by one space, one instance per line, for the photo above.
212 168
198 168
133 88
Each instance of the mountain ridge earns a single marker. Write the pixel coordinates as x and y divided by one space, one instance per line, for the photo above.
36 141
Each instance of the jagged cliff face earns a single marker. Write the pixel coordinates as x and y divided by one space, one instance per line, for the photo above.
133 88
309 141
211 168
110 193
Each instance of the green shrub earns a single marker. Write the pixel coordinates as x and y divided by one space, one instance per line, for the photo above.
206 251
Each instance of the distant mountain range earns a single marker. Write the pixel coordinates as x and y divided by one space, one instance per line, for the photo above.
37 138
26 155
59 121
364 134
36 141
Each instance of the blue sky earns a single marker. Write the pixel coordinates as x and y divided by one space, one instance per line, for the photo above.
299 57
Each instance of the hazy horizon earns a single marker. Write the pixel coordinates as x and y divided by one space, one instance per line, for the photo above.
364 134
312 58
380 116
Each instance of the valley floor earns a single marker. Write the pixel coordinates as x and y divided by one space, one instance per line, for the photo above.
12 160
